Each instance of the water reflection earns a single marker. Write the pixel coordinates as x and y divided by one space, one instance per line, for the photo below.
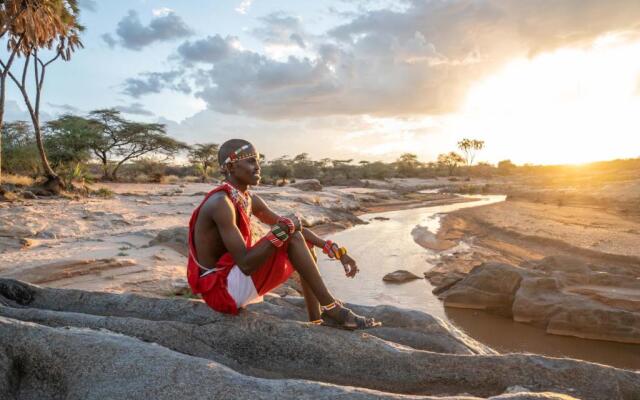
508 336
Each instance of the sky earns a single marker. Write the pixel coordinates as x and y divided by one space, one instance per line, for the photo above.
543 82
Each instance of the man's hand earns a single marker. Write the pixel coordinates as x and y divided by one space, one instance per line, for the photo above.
297 222
350 267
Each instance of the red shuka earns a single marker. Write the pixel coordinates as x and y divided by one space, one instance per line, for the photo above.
213 286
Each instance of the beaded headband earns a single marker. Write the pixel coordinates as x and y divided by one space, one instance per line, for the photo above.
235 155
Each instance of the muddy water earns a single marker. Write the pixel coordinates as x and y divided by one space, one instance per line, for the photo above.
386 245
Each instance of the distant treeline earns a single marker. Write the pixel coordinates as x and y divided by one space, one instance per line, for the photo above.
106 146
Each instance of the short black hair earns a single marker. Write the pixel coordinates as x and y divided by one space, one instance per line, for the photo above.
229 147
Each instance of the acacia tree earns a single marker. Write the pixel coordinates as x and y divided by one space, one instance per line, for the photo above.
450 161
118 141
42 25
204 156
282 168
69 139
470 147
408 164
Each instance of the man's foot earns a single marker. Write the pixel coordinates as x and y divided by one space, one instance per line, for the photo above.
342 317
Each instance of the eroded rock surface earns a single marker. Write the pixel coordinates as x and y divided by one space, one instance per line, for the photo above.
561 294
58 343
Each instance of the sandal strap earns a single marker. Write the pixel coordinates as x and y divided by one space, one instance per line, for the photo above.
329 306
317 321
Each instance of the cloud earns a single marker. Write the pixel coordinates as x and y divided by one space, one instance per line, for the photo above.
133 35
13 111
109 40
65 108
416 60
244 6
281 29
161 12
135 109
155 82
89 5
208 50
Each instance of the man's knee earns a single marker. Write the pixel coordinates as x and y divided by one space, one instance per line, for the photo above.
297 237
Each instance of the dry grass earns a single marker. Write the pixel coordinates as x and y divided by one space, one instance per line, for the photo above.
170 179
17 180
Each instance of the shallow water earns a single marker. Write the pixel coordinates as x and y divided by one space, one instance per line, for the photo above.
387 245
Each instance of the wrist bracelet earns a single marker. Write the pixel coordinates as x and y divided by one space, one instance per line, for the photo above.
333 250
288 222
326 249
277 236
274 240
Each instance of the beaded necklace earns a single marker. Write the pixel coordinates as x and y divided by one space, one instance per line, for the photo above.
242 200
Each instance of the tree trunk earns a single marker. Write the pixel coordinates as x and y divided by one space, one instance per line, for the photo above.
105 169
3 82
49 172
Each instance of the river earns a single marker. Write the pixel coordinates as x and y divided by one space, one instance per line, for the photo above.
385 245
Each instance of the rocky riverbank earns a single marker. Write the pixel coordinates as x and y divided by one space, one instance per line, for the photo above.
570 270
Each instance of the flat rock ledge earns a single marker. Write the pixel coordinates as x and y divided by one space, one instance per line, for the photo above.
73 344
563 295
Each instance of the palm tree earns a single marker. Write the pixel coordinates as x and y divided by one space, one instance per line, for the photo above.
42 25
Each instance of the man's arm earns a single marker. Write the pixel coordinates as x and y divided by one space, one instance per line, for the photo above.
224 215
266 215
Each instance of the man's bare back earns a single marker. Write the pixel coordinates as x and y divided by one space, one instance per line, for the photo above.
207 238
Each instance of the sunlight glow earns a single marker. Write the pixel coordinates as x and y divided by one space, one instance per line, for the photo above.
572 105
569 106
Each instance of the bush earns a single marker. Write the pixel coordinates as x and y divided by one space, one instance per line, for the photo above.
17 180
170 179
104 193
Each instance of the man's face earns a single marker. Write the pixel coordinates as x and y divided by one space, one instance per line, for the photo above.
247 171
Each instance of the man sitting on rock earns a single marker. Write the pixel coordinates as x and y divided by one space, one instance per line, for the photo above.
230 271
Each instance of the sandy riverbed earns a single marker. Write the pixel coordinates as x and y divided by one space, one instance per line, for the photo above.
104 243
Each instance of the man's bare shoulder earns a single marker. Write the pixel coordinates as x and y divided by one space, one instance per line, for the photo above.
219 204
257 200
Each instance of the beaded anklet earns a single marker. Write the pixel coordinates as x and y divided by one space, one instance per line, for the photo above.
329 307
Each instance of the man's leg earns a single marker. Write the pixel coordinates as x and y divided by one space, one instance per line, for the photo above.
306 266
312 303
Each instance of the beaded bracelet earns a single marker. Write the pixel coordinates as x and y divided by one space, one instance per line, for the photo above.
328 249
288 222
277 236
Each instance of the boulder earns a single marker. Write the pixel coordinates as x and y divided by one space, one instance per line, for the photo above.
29 195
174 238
309 185
400 276
577 312
489 286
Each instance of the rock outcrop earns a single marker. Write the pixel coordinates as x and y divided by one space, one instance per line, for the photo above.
309 185
174 238
564 295
74 344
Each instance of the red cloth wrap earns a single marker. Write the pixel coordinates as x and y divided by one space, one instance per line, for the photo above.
213 287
